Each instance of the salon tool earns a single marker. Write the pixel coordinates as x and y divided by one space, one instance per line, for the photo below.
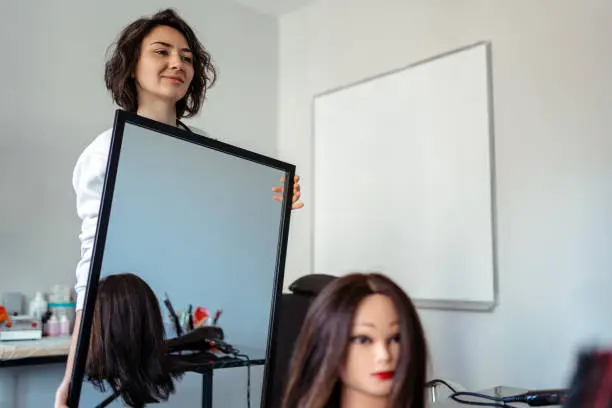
208 342
186 321
217 316
198 339
177 325
200 316
190 318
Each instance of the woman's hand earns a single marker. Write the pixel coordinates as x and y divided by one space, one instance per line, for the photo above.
61 395
296 192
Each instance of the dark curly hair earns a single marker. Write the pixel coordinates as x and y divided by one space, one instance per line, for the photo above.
121 65
127 348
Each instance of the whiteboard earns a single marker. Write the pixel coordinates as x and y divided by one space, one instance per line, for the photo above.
404 180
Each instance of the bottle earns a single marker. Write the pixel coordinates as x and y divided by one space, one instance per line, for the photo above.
38 306
53 326
64 325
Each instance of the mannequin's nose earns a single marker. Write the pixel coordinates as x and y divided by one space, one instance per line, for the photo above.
383 354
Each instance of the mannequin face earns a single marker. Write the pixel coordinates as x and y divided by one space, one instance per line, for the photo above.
164 70
374 348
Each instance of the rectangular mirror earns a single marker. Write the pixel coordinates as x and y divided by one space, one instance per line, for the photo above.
195 219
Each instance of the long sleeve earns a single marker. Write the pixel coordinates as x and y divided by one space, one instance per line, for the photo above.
88 182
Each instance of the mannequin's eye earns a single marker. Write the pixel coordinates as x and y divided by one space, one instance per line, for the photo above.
361 340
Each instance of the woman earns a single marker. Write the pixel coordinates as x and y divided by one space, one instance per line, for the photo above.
138 371
161 71
361 345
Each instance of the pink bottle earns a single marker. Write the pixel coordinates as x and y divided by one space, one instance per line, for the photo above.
53 326
64 326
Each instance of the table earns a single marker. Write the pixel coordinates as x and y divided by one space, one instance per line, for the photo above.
48 350
51 350
500 391
28 352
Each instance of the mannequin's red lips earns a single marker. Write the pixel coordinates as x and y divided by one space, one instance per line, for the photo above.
384 375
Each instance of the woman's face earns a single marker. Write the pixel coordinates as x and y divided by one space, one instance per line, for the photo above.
374 348
165 67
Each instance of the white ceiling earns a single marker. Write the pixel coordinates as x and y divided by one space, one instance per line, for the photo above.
274 7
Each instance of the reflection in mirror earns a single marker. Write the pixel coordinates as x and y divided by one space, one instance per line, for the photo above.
187 265
137 371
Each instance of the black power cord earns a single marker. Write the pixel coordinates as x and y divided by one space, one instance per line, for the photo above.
540 398
222 346
244 356
435 381
537 398
495 401
111 398
532 398
229 349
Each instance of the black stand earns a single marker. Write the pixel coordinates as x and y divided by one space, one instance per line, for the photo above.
207 387
205 368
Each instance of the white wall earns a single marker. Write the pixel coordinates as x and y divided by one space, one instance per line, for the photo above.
53 103
553 101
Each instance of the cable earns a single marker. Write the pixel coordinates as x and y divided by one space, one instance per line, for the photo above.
497 401
109 399
244 356
540 398
439 381
229 349
532 398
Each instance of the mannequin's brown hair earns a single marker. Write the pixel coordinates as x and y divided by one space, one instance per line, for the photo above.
314 380
127 348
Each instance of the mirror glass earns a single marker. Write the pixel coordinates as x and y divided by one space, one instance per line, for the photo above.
198 223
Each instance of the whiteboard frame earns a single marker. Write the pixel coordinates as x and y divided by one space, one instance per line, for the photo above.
436 304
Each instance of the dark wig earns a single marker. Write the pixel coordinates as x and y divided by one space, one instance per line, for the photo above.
321 350
127 348
121 65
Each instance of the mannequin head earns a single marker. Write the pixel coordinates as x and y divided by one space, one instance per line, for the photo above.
361 344
373 350
127 348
